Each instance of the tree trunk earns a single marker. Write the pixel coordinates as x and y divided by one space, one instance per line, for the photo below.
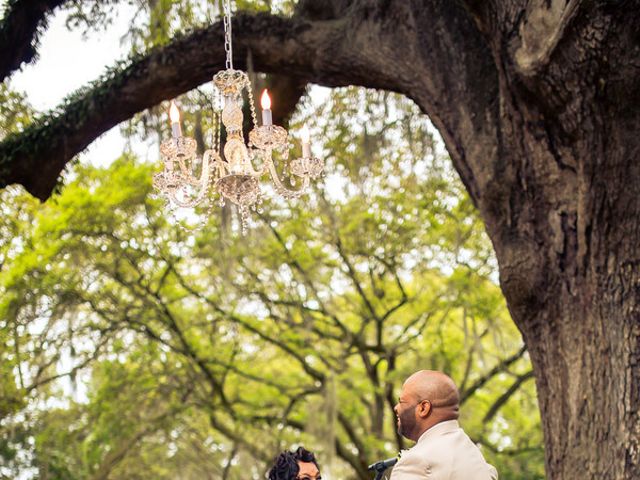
562 207
585 348
568 254
545 137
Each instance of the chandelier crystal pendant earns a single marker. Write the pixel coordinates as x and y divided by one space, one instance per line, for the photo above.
229 170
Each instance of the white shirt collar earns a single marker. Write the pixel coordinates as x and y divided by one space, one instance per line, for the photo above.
439 428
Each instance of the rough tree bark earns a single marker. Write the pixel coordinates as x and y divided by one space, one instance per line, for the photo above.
538 103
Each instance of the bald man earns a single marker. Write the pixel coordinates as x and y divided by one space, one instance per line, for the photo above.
427 412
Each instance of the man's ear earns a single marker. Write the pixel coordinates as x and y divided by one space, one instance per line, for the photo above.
424 409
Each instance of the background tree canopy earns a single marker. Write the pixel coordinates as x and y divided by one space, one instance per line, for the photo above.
333 300
139 348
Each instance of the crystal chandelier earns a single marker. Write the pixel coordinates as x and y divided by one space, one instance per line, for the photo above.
229 170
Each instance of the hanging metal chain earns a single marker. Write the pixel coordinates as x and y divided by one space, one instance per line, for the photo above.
228 47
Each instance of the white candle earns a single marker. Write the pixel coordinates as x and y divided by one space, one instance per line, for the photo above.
265 102
174 115
306 143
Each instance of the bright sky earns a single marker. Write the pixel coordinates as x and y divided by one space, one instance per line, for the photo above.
68 61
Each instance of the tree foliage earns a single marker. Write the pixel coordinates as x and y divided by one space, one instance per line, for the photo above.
16 111
142 348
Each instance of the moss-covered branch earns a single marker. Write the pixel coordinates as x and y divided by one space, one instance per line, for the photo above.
362 43
303 50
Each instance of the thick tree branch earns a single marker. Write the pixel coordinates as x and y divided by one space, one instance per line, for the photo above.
36 157
236 438
355 439
354 278
345 453
239 320
504 398
114 456
333 52
511 452
502 366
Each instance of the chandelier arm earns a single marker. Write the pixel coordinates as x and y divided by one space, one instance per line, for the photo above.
190 201
250 169
267 161
188 175
284 191
183 165
202 183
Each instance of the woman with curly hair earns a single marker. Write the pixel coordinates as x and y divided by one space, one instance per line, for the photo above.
298 465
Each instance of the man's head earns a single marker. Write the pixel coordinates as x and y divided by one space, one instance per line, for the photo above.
298 465
427 397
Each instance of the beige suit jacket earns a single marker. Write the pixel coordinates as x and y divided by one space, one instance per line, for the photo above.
444 452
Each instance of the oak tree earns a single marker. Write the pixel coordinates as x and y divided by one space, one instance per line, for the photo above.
537 102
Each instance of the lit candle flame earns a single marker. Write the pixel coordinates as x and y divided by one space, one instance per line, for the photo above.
304 134
265 100
174 113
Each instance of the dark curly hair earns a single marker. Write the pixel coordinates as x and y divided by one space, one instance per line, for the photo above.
285 465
